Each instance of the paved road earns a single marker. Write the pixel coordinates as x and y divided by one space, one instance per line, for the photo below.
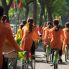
41 63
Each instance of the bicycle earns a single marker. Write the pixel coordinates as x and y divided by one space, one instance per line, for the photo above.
67 52
47 53
27 60
10 60
55 58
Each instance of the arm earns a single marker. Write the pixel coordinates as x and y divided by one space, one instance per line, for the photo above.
10 38
24 36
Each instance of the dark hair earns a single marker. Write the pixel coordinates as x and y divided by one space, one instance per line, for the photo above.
24 22
4 17
49 23
56 22
30 21
1 11
67 25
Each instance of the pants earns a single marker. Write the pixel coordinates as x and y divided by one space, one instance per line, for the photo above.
60 53
33 48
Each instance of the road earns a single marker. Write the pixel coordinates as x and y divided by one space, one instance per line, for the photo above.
41 63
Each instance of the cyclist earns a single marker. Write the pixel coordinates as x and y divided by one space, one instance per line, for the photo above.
46 34
35 37
26 41
56 34
66 36
29 37
5 33
19 33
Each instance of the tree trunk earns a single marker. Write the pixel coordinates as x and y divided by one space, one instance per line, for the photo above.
27 11
6 7
49 9
42 11
49 14
35 11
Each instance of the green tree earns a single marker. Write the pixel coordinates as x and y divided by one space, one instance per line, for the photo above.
42 11
49 7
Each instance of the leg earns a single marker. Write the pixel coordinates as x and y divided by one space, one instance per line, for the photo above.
60 55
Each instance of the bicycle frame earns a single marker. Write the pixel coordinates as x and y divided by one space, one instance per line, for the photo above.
11 61
47 52
55 56
27 60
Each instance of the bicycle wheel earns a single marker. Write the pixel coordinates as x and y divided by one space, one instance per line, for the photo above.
47 54
12 63
24 65
66 55
55 66
55 59
33 64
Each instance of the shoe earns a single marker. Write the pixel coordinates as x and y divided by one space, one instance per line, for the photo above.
51 65
47 61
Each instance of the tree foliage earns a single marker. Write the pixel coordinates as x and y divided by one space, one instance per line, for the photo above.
41 10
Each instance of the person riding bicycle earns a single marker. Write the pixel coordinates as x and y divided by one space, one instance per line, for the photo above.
66 36
26 41
5 21
46 34
19 33
36 38
29 37
5 34
55 35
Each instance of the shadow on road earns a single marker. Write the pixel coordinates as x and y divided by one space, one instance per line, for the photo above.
40 61
64 63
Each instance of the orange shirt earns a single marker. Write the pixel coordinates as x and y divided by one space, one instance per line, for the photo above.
46 33
35 35
43 34
40 29
66 36
28 38
56 38
27 41
5 33
46 36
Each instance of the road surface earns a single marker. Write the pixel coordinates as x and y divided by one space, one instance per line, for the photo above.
41 63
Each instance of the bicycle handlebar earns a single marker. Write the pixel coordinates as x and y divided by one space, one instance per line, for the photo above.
5 53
